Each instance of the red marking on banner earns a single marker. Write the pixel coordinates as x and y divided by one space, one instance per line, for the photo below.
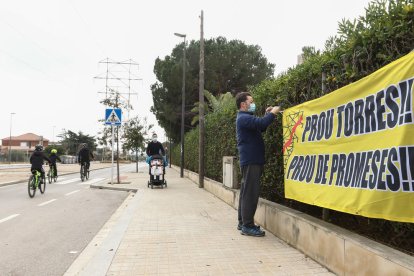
289 142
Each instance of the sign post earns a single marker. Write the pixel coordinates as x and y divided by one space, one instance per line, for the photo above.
113 117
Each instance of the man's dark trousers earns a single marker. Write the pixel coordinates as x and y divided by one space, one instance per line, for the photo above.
249 193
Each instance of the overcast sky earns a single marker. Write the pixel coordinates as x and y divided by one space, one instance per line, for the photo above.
50 50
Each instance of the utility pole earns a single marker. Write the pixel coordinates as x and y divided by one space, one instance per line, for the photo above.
119 75
116 78
201 109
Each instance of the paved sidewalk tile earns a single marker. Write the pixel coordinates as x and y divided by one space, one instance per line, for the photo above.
185 230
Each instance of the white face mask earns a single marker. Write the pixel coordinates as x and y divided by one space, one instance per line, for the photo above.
154 140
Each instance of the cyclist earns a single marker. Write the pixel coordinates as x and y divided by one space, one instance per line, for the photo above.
85 156
37 161
53 158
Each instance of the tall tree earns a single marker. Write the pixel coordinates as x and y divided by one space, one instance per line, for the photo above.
230 66
71 141
134 136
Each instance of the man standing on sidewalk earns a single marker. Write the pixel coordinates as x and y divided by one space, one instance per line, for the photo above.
251 149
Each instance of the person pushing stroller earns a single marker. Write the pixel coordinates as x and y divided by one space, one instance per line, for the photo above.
155 150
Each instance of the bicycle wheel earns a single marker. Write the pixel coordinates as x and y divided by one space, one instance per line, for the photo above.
49 175
54 176
81 173
42 186
31 187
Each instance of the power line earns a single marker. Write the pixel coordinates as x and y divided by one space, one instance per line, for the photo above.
129 67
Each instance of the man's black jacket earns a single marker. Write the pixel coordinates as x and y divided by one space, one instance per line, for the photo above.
155 148
37 159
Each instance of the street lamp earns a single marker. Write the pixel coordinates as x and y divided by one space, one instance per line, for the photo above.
182 108
11 116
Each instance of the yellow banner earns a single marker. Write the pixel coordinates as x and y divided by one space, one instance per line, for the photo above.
353 149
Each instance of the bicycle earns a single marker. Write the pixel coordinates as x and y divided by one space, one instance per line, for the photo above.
84 172
51 175
34 183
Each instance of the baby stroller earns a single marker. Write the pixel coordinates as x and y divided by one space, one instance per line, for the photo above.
157 171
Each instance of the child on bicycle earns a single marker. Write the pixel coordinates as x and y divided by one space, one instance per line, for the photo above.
37 161
53 158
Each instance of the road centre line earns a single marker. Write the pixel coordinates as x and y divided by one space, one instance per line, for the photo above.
9 218
72 192
47 202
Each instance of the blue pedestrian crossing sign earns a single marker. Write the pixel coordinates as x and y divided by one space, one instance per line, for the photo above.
113 116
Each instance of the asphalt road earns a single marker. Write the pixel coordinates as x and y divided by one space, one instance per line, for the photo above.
43 235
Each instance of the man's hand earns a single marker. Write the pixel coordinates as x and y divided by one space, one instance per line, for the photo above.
275 109
268 109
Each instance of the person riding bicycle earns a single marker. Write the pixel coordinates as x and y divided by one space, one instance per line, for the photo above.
37 161
53 158
155 148
85 156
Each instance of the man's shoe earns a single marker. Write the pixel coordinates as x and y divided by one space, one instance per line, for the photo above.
253 231
240 225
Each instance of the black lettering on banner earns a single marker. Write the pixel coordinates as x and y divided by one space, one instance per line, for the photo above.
304 168
390 169
325 168
339 111
322 169
370 123
292 165
311 170
381 182
406 158
334 167
318 178
307 127
349 120
329 124
297 168
349 168
359 118
410 164
341 170
364 182
391 93
374 176
314 123
380 110
406 102
393 178
403 166
319 126
359 167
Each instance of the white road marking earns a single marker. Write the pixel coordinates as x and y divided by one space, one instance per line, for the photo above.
9 218
47 202
72 192
67 181
91 181
73 252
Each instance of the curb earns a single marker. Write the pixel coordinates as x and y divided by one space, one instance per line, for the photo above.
134 190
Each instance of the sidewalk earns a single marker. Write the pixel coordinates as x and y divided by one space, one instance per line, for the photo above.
182 230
